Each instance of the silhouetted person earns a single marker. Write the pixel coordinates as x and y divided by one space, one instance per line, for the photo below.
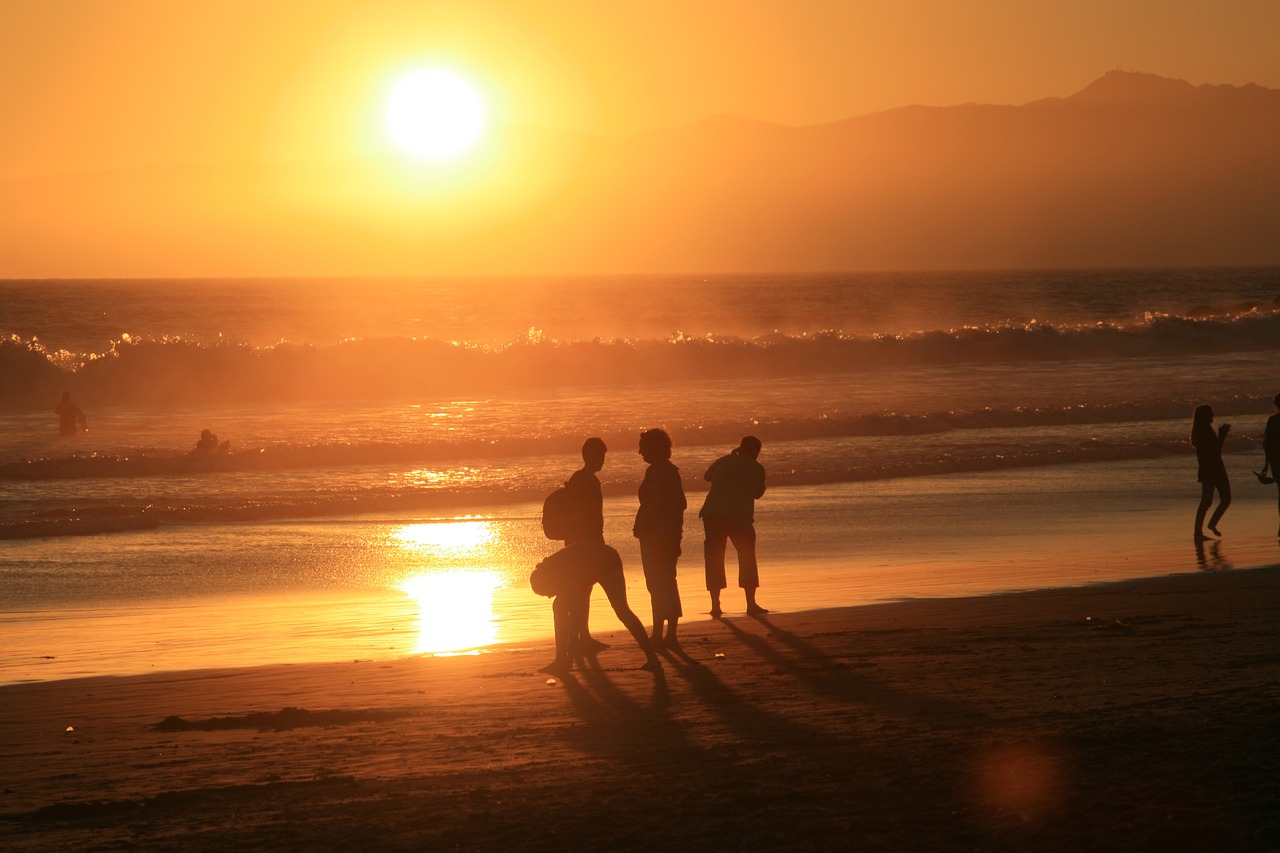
728 515
1271 446
659 526
70 418
573 572
589 501
208 444
1212 472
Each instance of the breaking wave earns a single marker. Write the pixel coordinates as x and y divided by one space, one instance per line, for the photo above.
174 370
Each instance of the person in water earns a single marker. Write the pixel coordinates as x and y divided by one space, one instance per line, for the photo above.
70 418
208 445
1271 446
1212 471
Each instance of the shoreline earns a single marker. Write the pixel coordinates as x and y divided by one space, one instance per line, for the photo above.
988 722
234 595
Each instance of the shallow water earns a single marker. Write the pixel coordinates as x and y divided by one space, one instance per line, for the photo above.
379 587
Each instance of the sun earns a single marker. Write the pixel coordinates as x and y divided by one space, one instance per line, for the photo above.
434 113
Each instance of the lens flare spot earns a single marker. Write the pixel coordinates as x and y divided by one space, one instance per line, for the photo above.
1021 780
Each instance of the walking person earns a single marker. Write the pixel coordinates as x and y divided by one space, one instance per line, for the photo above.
1271 446
659 526
1212 471
728 515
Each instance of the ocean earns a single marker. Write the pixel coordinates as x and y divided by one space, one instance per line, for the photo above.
391 441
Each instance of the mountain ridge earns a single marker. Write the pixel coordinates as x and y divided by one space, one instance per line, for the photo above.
1132 170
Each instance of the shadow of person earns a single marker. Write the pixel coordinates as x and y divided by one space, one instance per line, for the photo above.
615 724
827 676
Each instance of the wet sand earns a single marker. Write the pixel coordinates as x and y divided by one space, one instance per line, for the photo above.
1140 715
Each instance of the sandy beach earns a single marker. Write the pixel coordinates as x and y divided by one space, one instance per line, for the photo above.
1138 715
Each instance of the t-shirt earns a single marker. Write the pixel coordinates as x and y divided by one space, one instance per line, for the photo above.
736 481
662 502
1208 445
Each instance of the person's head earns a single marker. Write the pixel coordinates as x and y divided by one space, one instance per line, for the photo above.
206 434
655 445
1276 403
749 447
593 451
66 396
1202 416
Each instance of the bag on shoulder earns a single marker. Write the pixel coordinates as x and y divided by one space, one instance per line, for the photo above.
560 514
545 580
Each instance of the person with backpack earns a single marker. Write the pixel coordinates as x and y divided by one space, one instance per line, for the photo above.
571 514
587 526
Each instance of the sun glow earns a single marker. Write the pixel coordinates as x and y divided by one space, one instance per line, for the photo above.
434 113
445 538
454 597
455 609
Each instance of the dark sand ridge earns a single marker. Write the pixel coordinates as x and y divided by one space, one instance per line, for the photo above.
1137 715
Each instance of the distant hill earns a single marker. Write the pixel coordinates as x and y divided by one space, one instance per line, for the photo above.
1133 170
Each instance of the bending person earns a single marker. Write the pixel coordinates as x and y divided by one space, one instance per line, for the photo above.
568 576
728 515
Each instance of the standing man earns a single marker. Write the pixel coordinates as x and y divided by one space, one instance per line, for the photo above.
70 418
728 515
588 501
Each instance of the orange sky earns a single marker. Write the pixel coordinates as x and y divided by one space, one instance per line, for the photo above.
90 84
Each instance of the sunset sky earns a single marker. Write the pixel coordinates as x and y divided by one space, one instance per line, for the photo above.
91 84
336 137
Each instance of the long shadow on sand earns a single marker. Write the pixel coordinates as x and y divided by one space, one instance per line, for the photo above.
824 675
616 723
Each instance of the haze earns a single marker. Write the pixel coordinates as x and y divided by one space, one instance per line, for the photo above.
166 139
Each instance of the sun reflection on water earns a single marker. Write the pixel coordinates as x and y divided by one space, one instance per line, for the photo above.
455 609
454 596
446 538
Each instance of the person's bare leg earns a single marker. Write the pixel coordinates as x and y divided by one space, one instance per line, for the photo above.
565 631
1224 501
587 644
1206 498
753 609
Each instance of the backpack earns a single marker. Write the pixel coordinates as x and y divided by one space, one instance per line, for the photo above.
560 514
